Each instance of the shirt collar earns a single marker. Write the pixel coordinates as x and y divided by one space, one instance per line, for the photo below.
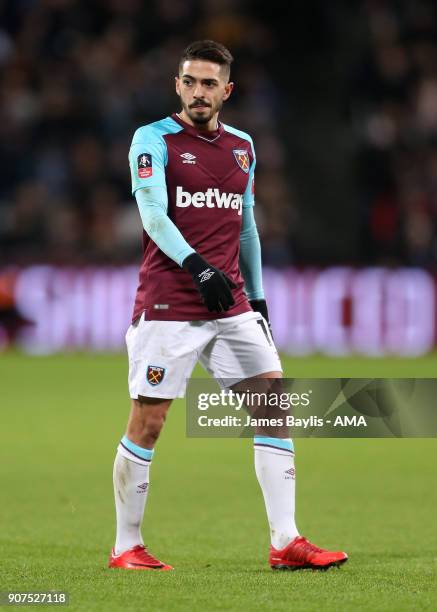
208 135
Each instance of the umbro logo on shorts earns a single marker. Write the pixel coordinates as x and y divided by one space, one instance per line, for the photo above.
155 375
211 198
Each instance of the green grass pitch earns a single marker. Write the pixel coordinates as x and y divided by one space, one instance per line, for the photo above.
61 419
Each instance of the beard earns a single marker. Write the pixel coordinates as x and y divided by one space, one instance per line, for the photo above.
205 117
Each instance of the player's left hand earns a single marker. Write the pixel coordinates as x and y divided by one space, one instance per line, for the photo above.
261 307
214 286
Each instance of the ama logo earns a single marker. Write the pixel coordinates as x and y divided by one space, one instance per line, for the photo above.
145 168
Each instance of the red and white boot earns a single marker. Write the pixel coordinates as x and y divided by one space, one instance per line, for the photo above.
137 558
301 554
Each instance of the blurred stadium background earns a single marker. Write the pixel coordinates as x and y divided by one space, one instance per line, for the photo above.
341 99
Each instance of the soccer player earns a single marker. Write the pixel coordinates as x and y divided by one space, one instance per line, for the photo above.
200 297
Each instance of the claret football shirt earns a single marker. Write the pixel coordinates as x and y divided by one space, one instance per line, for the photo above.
209 178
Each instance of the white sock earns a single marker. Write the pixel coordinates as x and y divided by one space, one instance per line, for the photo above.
274 466
131 487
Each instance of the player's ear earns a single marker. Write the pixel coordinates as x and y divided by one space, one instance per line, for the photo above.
177 84
228 90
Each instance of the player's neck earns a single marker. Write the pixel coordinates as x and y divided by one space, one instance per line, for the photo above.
211 126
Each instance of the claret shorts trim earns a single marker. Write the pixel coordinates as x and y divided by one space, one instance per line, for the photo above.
162 354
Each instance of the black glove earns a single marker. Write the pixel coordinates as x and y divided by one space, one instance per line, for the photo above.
213 285
261 307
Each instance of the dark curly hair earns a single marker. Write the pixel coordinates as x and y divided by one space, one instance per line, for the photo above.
209 51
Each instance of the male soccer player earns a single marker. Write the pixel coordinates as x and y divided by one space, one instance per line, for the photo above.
193 179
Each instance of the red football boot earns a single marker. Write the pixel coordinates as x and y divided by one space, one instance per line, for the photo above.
300 554
137 558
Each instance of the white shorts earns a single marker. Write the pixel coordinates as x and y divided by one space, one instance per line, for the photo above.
162 354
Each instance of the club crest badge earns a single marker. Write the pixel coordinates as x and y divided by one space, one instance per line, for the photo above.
155 375
242 158
145 168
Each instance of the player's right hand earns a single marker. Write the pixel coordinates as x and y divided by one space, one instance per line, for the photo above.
213 284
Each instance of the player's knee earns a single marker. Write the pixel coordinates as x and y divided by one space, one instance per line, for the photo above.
153 428
152 424
147 432
146 421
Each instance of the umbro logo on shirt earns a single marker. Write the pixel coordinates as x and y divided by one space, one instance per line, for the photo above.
188 158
